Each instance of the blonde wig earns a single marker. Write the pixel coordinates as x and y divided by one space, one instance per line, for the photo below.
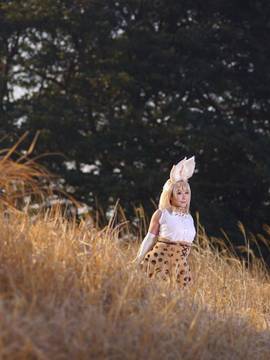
167 193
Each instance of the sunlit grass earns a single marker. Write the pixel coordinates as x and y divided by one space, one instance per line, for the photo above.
69 291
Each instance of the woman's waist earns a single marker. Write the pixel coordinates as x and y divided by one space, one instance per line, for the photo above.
186 234
170 241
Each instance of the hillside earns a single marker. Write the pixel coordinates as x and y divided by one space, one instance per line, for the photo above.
67 291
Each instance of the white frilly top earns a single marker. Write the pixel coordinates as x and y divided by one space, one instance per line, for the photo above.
176 227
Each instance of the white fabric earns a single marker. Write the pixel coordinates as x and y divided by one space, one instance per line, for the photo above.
181 171
145 246
176 227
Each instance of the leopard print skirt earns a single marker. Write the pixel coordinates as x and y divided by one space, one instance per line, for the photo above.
168 261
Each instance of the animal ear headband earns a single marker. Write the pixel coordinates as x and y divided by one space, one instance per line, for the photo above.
181 171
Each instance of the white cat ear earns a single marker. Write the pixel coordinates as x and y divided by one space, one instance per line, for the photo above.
183 170
188 168
176 171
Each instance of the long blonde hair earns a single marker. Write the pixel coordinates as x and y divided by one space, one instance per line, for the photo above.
165 197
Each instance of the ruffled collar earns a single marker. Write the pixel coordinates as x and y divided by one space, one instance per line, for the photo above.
177 212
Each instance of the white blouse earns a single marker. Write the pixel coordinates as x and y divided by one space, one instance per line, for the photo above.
176 227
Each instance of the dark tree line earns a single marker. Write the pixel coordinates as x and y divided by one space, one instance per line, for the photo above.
131 87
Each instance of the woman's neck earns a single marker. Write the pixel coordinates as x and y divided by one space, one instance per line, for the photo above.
178 209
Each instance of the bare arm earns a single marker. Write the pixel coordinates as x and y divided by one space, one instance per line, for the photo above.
154 223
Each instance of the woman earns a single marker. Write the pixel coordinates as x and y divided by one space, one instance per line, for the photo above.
165 249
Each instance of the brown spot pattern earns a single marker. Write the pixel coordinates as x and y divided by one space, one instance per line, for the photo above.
168 262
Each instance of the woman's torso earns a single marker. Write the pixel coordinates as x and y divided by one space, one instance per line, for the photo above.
176 227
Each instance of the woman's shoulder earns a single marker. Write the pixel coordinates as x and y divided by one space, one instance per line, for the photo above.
157 214
160 215
160 212
190 217
165 211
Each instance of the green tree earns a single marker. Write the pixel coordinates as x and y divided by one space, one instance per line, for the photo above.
128 88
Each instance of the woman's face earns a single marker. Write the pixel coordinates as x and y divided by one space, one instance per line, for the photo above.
180 196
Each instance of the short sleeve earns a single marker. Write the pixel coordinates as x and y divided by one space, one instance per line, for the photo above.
161 219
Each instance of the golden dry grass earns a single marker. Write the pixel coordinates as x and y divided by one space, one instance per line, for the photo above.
67 291
24 182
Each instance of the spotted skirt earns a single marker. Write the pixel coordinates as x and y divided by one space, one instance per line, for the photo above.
168 261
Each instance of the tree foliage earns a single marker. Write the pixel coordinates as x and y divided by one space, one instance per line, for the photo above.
125 89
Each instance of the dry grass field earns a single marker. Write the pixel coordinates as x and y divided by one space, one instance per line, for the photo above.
68 291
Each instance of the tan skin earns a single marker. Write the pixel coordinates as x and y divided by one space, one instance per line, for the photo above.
179 198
